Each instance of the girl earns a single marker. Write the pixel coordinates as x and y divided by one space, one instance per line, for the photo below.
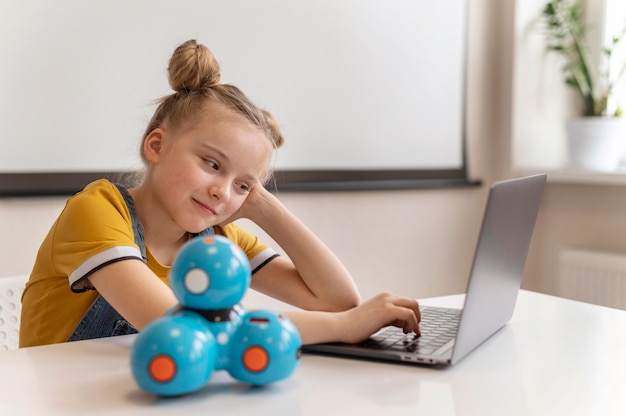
102 269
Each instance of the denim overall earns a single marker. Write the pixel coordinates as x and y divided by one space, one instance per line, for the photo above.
101 320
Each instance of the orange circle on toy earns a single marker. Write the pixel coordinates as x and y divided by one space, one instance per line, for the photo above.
162 368
255 359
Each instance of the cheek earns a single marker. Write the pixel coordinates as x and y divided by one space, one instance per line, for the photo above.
176 182
176 186
187 172
236 202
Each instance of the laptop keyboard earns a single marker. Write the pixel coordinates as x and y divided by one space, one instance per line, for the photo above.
438 327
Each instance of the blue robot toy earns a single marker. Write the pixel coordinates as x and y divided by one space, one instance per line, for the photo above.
208 330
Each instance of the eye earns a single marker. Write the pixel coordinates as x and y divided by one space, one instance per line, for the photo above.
212 164
243 187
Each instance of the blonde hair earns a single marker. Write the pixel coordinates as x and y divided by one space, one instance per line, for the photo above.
194 75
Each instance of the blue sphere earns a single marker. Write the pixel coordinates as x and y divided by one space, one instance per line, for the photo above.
174 355
265 348
210 273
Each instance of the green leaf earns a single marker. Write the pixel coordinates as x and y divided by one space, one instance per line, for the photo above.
566 32
549 9
571 82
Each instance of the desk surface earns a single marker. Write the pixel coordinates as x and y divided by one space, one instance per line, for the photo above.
555 357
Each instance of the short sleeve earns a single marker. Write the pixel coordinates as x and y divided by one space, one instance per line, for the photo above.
257 252
94 229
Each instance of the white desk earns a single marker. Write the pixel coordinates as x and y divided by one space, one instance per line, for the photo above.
555 357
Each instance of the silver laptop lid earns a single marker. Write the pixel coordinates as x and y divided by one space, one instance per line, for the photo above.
498 267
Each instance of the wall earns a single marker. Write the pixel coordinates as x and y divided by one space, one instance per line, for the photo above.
416 242
584 216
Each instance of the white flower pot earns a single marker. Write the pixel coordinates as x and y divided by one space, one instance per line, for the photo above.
596 143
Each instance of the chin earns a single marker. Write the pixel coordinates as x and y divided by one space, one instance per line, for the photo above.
197 228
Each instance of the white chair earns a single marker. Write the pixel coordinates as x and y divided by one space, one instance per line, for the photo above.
11 289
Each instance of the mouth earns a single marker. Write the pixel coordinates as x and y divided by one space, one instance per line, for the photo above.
207 209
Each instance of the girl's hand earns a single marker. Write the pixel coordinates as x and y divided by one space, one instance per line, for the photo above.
382 310
253 205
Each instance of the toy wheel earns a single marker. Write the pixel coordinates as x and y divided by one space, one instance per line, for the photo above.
255 359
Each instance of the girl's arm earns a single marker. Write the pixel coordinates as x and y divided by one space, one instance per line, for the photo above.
358 323
134 291
312 277
141 297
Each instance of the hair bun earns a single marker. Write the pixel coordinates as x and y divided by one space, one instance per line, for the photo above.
193 67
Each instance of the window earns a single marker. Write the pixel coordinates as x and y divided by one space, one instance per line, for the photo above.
542 102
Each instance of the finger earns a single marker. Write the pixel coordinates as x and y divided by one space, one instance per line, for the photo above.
409 303
406 318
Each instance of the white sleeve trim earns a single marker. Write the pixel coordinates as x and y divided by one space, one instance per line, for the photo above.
260 259
93 263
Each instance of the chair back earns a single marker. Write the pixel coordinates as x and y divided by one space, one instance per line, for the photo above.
11 289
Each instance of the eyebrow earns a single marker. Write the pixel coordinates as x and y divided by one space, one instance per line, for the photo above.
216 150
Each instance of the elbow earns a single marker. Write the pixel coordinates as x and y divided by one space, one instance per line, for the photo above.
346 302
353 301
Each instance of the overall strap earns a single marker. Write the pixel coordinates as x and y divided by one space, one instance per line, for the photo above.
137 226
205 232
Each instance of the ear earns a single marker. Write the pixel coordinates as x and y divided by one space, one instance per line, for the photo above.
153 145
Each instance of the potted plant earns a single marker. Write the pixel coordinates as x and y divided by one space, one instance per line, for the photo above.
597 137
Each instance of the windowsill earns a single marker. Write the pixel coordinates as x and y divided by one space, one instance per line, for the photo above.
579 176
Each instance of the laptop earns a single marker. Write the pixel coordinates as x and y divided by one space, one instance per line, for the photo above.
448 335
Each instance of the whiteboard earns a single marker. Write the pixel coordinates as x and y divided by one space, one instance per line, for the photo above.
355 84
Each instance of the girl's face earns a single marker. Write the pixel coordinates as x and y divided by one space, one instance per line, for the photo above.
202 173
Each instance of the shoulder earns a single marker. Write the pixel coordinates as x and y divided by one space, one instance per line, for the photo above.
96 199
237 234
102 188
97 211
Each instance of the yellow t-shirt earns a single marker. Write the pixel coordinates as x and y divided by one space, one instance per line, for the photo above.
94 229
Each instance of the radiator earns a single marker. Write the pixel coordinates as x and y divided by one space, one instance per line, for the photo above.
593 276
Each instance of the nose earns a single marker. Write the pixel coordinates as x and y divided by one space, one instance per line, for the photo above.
220 190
